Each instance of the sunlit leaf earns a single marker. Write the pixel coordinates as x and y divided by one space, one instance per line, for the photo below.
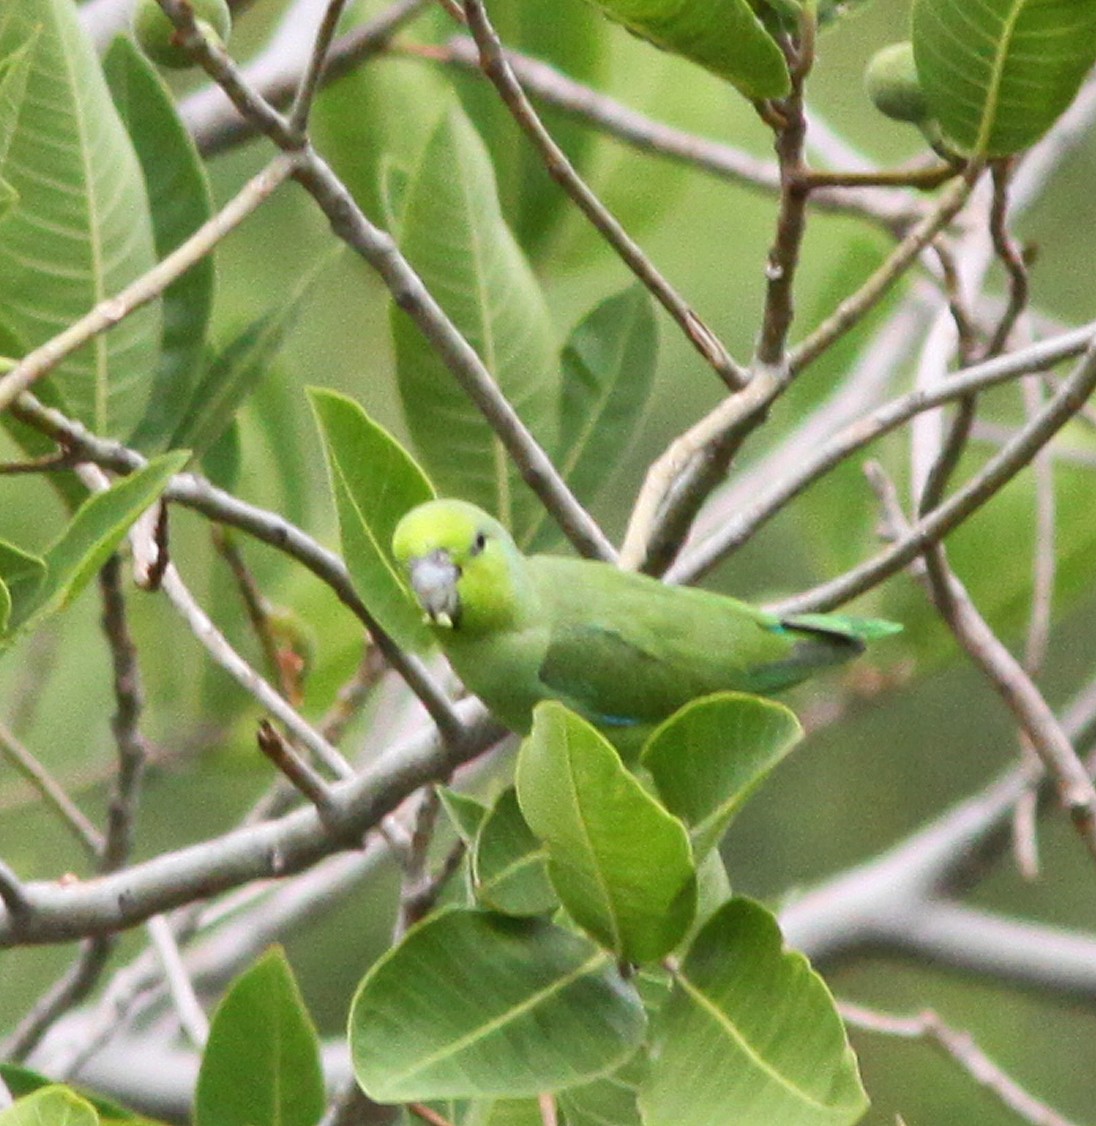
50 1106
621 865
473 1004
375 482
999 73
750 1035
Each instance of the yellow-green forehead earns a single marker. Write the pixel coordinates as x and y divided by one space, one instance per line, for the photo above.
449 524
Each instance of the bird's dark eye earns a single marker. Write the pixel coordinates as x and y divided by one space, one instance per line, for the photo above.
479 543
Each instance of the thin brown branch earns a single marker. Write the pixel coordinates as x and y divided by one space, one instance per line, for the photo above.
961 1048
300 774
1044 561
1011 257
498 70
424 1113
313 71
549 1112
353 694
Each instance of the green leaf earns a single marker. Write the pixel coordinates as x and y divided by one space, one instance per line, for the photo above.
80 231
50 1106
235 372
998 74
473 1004
608 367
723 36
91 537
570 35
509 864
180 199
621 865
454 236
375 482
707 758
610 1101
466 814
750 1035
5 607
261 1065
22 576
222 462
22 1081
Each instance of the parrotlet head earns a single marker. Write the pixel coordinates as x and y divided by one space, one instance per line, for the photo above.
461 564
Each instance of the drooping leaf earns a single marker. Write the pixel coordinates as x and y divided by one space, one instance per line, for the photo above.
707 758
236 371
509 865
50 1106
454 236
93 534
999 73
80 231
620 863
608 368
22 575
375 482
723 36
262 1061
180 200
472 1004
750 1035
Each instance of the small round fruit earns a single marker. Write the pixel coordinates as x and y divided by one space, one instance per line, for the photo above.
156 33
892 84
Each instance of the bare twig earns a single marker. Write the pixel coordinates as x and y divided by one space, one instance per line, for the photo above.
425 1114
148 286
191 1015
549 1114
52 791
1010 256
961 1048
969 498
303 777
497 68
1044 562
11 892
310 80
224 655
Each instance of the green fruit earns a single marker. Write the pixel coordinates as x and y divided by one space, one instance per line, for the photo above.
892 84
156 33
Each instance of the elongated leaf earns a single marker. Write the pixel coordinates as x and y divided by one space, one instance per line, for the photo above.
80 230
180 199
467 814
621 864
509 864
22 576
707 758
50 1106
262 1061
997 74
608 368
236 371
723 36
455 238
750 1035
375 482
94 532
473 1004
5 607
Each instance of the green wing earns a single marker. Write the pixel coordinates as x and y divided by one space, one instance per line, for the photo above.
625 649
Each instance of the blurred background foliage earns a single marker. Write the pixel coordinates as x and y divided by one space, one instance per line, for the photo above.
895 759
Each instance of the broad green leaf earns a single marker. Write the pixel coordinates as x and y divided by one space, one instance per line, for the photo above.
222 462
50 1106
261 1065
95 531
473 1004
454 236
707 758
567 34
509 865
610 1101
21 1081
723 36
999 73
750 1035
375 482
621 865
179 196
14 72
80 231
467 814
236 371
22 575
608 367
274 408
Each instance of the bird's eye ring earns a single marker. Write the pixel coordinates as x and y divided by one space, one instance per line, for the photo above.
479 543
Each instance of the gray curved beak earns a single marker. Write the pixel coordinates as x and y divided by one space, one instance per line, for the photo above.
434 581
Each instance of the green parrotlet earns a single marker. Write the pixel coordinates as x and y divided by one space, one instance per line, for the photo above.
623 650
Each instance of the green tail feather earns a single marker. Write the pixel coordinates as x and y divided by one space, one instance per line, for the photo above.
843 625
